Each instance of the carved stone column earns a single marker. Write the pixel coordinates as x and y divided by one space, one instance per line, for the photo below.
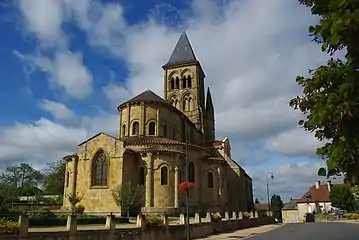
149 181
176 186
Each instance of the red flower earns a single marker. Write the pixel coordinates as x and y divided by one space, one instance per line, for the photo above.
185 186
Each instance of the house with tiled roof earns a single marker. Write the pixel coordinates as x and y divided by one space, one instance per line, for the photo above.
290 211
157 136
316 199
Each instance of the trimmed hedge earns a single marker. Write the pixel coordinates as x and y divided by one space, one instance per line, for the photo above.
61 220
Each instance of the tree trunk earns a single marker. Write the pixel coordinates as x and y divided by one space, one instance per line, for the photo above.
128 213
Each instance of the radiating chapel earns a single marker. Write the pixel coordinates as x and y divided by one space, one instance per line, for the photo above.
150 150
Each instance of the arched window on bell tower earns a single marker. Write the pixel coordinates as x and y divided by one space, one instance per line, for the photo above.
189 82
177 83
172 83
184 82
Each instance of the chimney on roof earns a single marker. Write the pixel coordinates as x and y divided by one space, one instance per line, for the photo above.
329 184
317 184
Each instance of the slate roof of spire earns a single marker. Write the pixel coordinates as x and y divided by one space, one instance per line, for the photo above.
182 53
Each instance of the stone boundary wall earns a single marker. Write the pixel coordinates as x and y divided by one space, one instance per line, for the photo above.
140 231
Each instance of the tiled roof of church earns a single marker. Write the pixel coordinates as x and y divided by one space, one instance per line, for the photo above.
182 53
147 96
159 148
148 140
143 140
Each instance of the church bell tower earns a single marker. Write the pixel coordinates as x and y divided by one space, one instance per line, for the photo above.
184 82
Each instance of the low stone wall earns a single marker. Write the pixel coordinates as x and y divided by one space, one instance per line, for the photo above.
140 232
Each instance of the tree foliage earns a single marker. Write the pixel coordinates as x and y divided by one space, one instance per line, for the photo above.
128 197
276 206
24 177
54 178
256 201
331 94
342 197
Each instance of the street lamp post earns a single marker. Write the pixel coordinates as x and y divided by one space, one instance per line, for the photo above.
272 177
187 180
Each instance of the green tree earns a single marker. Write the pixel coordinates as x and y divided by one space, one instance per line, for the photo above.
24 177
8 195
276 206
343 198
54 178
330 96
128 197
256 201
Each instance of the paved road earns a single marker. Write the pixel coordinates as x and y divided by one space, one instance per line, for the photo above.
310 231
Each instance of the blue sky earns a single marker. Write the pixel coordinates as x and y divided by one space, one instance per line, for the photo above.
66 65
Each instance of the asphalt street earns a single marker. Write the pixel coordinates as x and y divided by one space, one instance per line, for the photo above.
310 231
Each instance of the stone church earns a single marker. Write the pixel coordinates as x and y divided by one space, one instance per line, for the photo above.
155 136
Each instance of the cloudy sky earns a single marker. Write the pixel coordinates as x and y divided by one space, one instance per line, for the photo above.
65 65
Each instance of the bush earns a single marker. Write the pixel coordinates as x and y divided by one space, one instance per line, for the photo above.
216 217
352 216
246 215
153 220
7 226
79 209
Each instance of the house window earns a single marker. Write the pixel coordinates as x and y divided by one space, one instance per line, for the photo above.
164 175
152 128
135 128
191 175
210 180
141 180
99 169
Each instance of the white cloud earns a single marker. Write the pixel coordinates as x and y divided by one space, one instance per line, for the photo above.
66 71
58 110
44 19
116 93
44 140
290 180
294 142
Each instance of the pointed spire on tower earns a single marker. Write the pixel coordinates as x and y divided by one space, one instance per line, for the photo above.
209 102
182 53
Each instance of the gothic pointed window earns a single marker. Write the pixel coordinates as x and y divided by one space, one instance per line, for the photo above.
189 82
177 83
184 82
210 180
172 83
164 176
99 169
135 128
191 172
141 180
152 128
